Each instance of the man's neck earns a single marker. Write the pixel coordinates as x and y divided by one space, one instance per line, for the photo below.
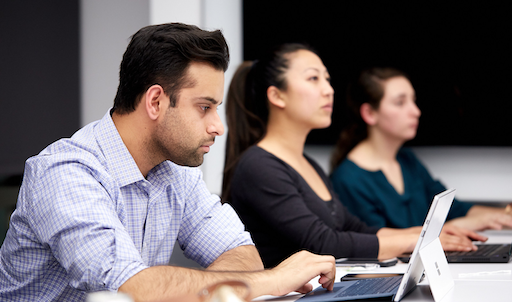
135 133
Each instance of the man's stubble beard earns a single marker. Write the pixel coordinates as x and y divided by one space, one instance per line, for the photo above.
167 148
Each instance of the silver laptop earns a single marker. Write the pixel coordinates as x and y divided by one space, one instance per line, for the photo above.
393 287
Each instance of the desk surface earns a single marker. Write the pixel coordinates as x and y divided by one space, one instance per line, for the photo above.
493 287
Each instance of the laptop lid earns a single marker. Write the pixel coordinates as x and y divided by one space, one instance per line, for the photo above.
430 232
429 237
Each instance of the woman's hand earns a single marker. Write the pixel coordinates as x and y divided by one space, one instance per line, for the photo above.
481 218
393 242
454 238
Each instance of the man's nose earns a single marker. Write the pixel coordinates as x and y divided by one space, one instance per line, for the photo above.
216 127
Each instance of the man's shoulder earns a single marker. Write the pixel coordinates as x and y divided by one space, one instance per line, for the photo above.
78 150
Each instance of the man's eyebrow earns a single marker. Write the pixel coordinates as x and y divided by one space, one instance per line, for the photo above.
209 99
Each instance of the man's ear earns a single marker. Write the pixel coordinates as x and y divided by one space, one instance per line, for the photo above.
275 97
368 114
154 101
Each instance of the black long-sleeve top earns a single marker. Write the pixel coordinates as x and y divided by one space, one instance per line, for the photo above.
284 215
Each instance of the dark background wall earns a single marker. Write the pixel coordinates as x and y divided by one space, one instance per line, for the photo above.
39 78
39 85
457 54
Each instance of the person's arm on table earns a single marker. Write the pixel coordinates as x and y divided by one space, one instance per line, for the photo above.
242 258
480 218
293 274
393 242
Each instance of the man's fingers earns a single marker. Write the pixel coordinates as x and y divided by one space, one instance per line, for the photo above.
327 272
302 267
306 288
326 282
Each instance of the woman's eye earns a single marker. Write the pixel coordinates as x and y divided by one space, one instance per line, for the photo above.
313 78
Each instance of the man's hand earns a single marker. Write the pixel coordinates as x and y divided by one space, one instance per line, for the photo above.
294 273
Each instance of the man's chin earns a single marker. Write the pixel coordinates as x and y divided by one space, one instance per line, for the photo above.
193 163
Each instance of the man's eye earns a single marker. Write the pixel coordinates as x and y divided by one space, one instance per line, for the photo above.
204 108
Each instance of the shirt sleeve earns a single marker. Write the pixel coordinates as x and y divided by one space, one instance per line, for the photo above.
71 213
209 228
267 187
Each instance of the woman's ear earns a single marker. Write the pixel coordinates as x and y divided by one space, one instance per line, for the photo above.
153 101
275 97
368 114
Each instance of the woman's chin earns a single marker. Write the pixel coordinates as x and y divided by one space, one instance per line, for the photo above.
409 137
323 124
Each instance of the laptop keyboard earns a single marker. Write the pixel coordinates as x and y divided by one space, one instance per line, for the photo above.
371 286
483 250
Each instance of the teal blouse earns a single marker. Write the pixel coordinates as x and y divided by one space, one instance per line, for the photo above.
370 196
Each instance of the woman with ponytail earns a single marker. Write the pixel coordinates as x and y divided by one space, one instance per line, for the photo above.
283 197
379 180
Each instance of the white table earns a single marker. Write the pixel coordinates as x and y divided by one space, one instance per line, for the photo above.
494 287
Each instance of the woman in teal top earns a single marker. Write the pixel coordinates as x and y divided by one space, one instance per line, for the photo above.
379 180
375 200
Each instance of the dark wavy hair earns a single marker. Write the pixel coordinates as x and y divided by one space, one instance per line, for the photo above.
161 54
248 106
367 88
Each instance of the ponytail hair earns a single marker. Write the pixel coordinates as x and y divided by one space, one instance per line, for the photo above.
368 88
247 105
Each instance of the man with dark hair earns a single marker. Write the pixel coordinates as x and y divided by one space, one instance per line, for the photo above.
103 209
